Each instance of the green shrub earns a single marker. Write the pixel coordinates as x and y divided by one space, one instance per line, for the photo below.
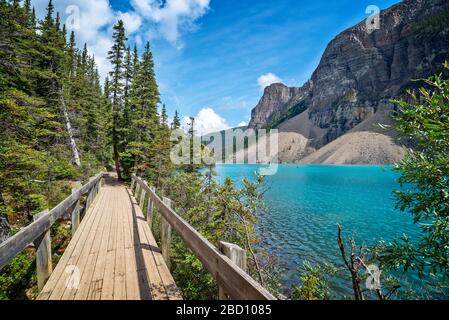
17 276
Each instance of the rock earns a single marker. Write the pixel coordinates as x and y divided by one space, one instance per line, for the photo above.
359 73
5 229
276 100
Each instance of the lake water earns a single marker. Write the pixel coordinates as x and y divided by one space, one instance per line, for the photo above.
306 202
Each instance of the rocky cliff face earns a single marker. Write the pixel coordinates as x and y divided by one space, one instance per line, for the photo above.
276 100
361 70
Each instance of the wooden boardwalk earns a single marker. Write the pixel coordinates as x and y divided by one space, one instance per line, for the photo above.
112 255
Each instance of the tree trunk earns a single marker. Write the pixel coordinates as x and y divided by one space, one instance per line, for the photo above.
76 156
116 159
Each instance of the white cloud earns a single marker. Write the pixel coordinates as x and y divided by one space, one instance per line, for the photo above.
131 20
148 17
242 124
93 27
171 18
206 121
231 103
268 79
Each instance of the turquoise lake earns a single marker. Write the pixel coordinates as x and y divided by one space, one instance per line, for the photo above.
306 202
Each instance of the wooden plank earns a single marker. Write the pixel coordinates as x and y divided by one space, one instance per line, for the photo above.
96 284
120 270
107 292
44 265
238 284
149 265
61 266
115 253
82 259
137 288
69 261
99 245
171 290
164 287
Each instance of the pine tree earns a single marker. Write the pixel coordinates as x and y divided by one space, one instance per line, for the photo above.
49 21
176 121
128 72
33 18
116 55
164 116
145 116
27 7
58 21
72 54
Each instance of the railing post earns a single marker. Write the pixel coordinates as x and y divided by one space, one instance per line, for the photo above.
97 188
237 255
136 194
133 183
150 209
75 214
89 197
166 235
142 197
44 265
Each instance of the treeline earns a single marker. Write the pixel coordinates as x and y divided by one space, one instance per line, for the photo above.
140 135
50 95
61 125
57 121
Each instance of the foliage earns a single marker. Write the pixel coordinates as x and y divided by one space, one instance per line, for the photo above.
220 212
48 85
314 282
424 174
41 76
434 24
16 276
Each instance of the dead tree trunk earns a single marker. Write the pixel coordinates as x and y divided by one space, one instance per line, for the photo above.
76 155
351 266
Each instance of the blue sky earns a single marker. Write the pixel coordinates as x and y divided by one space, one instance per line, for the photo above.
210 54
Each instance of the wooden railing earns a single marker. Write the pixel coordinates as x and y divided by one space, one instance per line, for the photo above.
38 232
226 266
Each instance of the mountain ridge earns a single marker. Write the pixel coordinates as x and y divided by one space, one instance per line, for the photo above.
359 72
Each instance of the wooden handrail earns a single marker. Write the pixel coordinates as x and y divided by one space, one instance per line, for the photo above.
21 240
236 282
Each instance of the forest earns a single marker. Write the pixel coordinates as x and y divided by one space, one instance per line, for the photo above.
62 124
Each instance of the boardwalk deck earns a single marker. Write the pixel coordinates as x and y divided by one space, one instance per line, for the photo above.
113 255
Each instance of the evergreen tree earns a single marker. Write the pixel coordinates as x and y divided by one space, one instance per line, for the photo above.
164 116
116 56
33 18
176 124
72 54
146 119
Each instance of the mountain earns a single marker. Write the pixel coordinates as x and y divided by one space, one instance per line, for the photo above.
359 73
